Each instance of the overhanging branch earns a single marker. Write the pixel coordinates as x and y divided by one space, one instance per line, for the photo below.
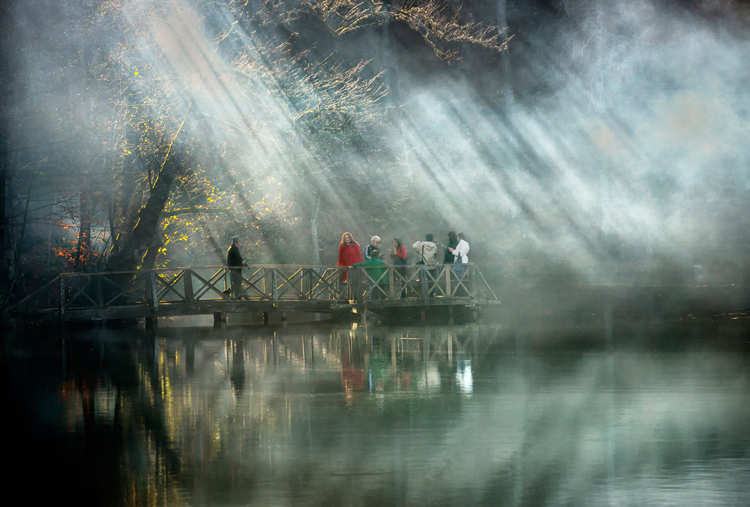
187 211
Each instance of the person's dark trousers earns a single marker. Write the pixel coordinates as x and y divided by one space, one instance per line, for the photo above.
235 276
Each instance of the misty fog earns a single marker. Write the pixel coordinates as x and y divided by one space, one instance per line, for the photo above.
594 140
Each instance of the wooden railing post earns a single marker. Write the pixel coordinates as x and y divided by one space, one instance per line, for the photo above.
355 283
448 271
274 286
473 281
263 278
310 283
99 292
187 280
152 291
391 284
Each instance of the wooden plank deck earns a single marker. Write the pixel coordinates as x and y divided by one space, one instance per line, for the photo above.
266 288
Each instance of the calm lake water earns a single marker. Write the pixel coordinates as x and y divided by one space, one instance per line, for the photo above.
642 414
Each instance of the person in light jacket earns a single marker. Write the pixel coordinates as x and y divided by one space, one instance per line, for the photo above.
426 250
461 252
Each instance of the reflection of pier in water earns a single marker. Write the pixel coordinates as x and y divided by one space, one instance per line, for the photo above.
260 351
266 289
409 415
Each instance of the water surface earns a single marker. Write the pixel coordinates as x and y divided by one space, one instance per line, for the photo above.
330 415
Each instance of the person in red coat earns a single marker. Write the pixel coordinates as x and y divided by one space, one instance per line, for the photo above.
398 257
349 253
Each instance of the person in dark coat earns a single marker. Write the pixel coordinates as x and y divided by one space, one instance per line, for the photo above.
448 257
374 245
235 261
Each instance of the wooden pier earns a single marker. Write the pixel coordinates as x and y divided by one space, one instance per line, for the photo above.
151 294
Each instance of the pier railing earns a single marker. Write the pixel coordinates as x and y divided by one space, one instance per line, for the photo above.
273 284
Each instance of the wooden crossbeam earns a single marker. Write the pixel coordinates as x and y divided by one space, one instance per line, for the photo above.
46 289
328 280
324 283
436 278
75 292
460 279
404 281
290 283
169 286
138 278
376 283
209 286
252 284
120 291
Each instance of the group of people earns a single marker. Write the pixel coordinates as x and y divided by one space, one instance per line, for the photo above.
350 255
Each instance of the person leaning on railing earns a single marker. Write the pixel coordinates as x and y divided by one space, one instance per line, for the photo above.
461 252
426 250
461 255
235 261
448 257
375 268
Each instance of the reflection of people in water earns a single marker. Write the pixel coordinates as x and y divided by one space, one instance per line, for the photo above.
189 356
352 377
237 374
404 380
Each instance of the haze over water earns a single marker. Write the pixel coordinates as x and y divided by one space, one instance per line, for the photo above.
474 415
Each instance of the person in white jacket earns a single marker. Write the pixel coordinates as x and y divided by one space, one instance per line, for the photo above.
426 250
461 251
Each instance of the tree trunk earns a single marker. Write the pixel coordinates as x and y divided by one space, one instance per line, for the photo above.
149 261
130 217
84 234
134 248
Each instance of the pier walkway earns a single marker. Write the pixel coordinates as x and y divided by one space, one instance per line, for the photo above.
151 294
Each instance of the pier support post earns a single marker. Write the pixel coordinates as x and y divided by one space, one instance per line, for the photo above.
265 318
283 319
450 315
220 319
152 322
